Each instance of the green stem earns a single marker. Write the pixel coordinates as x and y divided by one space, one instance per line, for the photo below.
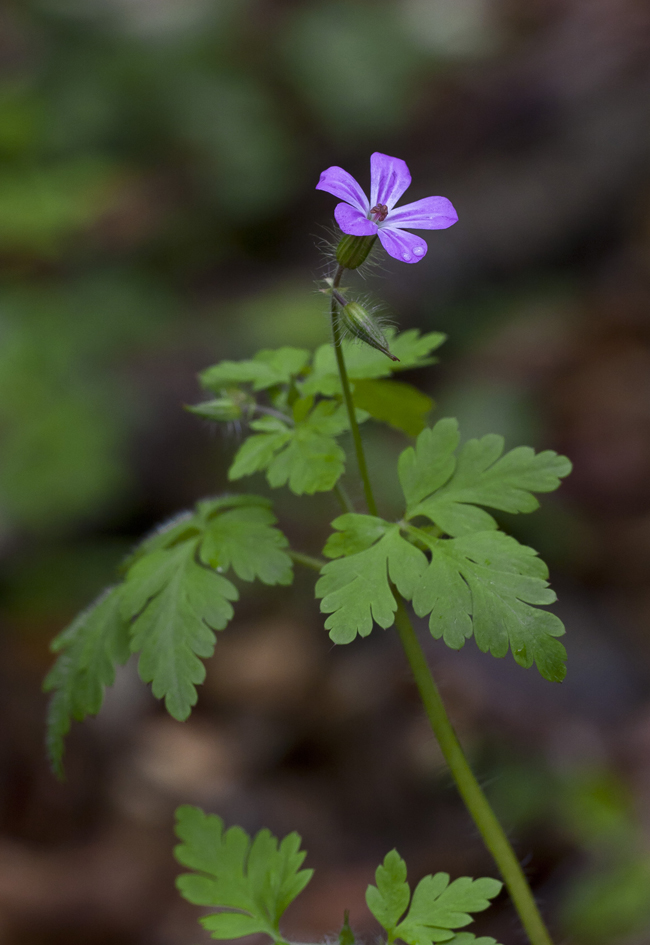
307 561
347 396
343 497
475 800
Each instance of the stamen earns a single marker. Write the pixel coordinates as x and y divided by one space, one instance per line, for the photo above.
379 213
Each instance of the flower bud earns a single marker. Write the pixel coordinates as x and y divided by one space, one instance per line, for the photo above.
354 250
230 406
363 326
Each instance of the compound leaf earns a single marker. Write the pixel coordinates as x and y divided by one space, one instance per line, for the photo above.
245 539
400 405
448 490
266 369
485 584
175 603
89 650
437 907
355 590
258 879
306 456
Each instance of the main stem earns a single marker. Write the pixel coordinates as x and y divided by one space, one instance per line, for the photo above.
470 790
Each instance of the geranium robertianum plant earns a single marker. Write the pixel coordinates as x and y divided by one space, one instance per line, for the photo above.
445 557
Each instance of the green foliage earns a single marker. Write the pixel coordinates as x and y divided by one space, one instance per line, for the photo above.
478 582
253 882
294 441
175 603
447 489
355 590
266 369
437 906
90 648
305 455
173 599
400 405
365 363
485 583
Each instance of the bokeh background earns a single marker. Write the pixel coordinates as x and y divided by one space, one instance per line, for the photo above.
157 213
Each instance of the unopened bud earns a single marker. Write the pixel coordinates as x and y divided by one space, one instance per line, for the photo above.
363 326
230 406
354 250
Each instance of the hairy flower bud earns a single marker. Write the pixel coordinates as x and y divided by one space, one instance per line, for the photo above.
360 324
230 406
354 250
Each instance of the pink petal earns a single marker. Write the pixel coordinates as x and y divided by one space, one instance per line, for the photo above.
343 185
389 178
407 247
353 221
432 213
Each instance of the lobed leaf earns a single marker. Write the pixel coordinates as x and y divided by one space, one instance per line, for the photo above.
485 584
266 369
306 456
437 908
89 650
175 603
244 539
448 490
355 590
259 879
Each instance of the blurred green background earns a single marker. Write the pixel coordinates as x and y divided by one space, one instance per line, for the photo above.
157 213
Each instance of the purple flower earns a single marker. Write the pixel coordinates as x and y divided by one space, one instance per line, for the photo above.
389 178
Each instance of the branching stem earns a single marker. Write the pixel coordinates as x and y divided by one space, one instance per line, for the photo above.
470 790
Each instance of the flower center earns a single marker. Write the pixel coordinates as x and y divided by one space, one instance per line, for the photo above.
379 213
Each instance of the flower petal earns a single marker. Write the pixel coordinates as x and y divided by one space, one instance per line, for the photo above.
354 221
407 247
431 213
389 178
343 185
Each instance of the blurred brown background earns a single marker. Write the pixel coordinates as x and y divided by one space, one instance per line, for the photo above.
157 213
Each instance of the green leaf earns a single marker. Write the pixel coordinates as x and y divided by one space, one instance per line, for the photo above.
401 405
389 899
245 539
355 590
437 907
438 904
410 347
258 879
306 456
466 938
176 603
90 648
428 465
266 369
447 490
484 584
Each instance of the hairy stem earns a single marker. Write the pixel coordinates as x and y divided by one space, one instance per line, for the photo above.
347 395
475 800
